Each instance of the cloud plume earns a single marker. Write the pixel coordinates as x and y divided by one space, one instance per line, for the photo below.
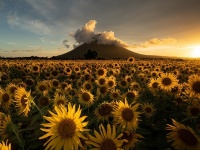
156 41
88 35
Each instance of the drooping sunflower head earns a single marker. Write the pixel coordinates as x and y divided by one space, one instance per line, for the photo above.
23 99
5 126
182 137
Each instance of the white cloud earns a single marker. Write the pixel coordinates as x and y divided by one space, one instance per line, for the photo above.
87 35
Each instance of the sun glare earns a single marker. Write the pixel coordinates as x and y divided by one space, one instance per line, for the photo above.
196 52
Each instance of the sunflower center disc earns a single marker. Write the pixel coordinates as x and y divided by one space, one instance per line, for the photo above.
67 128
196 87
166 81
127 114
108 144
5 97
187 137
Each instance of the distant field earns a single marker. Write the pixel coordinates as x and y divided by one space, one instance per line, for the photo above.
151 103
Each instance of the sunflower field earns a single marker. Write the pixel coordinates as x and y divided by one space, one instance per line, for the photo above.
100 104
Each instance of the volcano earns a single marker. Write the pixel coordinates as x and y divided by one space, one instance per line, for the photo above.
104 51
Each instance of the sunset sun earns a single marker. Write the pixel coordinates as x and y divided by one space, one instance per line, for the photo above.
195 52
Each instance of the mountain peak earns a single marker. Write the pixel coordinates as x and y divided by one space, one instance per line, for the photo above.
106 51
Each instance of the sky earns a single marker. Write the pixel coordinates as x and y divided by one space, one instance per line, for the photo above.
47 28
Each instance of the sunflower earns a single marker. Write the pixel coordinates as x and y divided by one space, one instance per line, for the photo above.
153 85
126 115
62 86
101 81
154 74
54 73
103 111
5 99
5 145
35 68
23 99
130 95
87 86
59 99
44 100
183 137
115 94
132 139
176 90
128 79
194 86
148 109
54 83
76 69
103 91
167 81
43 87
123 83
111 82
193 110
68 71
5 126
85 97
131 60
106 139
72 94
135 86
64 128
101 72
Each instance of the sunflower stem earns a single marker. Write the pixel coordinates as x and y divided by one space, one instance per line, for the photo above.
34 104
190 118
17 135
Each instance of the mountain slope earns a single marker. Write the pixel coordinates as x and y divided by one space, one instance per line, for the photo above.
104 51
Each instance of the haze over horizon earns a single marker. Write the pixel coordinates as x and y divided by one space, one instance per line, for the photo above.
49 28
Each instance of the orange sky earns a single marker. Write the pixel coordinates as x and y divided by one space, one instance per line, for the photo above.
49 28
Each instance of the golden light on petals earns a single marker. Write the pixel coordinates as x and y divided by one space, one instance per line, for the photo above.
126 115
105 139
64 128
182 137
